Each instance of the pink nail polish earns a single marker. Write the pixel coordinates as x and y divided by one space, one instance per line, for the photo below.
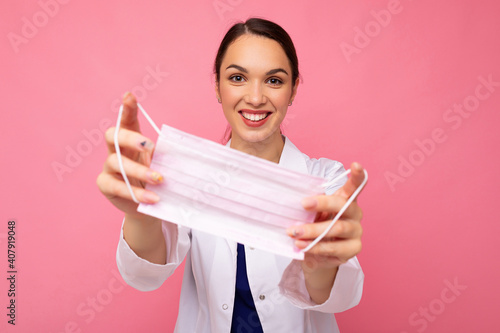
301 244
309 202
150 197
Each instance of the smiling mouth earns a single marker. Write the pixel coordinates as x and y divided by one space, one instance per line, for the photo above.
255 116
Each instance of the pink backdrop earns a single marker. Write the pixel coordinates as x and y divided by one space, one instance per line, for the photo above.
411 89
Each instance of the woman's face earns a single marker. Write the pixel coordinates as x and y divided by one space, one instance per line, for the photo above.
255 88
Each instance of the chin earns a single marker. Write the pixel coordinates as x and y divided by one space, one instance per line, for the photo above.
256 136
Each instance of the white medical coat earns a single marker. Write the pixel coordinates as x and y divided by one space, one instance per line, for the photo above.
277 283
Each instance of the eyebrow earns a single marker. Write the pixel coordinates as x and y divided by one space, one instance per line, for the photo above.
244 70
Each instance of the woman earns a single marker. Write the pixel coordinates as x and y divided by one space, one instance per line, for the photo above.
228 287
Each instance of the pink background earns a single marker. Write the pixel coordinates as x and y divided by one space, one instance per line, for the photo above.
430 218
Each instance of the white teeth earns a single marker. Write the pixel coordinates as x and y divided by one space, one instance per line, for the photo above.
253 116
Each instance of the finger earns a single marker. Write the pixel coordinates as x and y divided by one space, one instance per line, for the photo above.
343 249
330 204
132 170
341 229
128 139
345 230
312 262
129 116
112 187
353 182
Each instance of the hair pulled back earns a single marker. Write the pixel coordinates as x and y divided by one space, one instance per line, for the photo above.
259 27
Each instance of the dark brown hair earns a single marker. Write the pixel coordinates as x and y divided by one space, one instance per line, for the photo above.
259 27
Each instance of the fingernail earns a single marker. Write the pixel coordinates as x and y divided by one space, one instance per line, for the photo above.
127 94
146 144
309 202
295 231
155 177
150 197
302 244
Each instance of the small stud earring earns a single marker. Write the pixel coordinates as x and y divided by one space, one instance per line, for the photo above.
290 104
218 100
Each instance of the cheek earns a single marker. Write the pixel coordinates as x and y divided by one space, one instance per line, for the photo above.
281 99
227 93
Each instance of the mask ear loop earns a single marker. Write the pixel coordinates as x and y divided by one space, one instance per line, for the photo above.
341 211
117 146
152 123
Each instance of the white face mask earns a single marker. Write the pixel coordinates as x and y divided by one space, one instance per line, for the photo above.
230 194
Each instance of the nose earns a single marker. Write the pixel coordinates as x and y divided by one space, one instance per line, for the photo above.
255 94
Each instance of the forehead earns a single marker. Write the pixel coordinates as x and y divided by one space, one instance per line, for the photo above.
254 52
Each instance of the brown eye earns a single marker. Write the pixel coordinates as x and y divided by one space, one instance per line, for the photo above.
236 78
274 81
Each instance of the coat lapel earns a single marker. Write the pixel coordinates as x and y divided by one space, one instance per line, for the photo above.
292 158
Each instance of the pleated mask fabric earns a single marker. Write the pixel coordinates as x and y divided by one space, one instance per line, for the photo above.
227 193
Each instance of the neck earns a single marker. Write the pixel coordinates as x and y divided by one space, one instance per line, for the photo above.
269 149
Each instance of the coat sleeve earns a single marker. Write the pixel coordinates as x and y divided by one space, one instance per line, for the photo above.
345 294
144 275
348 286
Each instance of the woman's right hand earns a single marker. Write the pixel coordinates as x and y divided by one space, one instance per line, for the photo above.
136 151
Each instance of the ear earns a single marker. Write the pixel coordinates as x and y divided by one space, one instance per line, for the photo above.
294 89
217 92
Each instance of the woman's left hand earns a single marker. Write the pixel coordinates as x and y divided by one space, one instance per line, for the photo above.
343 241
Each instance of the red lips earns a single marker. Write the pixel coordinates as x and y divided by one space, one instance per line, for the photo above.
254 118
